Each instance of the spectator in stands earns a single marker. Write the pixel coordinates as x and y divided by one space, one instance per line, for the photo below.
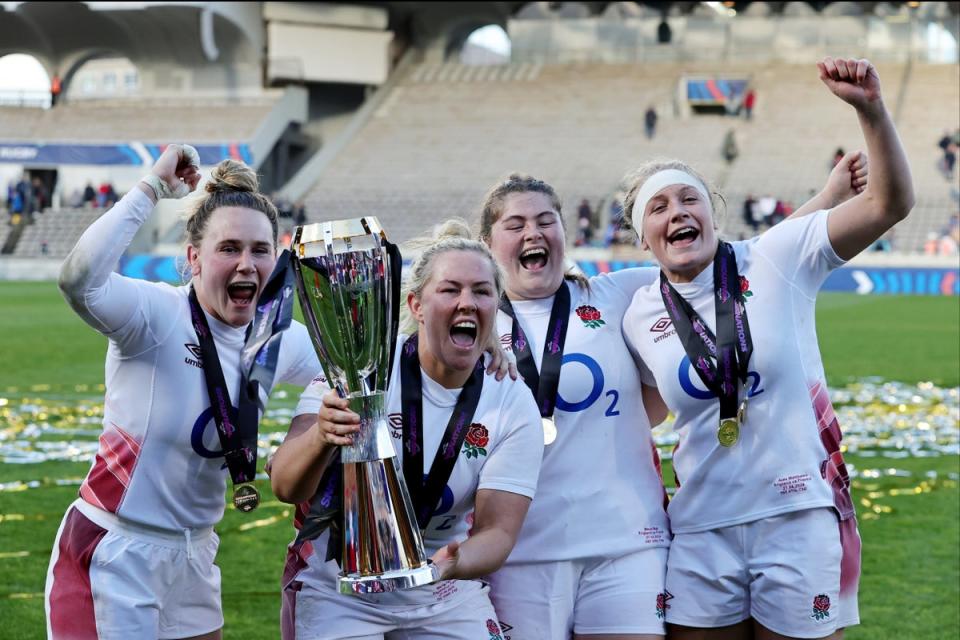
748 103
584 224
41 196
837 157
89 195
55 88
751 215
949 146
765 543
767 205
650 122
730 148
134 555
300 213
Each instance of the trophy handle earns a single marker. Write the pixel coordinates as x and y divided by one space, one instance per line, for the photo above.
396 273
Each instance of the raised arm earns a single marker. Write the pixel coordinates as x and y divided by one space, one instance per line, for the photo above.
847 179
299 462
85 276
888 198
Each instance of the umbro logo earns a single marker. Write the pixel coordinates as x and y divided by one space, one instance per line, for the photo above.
661 325
197 359
396 425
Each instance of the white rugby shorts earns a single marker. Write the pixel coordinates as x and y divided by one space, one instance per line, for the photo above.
796 574
109 579
451 610
549 600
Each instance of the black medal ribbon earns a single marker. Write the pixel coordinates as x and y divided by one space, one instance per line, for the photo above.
426 493
237 428
720 361
545 382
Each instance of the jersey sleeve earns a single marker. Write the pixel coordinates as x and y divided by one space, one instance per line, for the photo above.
628 281
513 464
312 397
123 309
304 364
800 249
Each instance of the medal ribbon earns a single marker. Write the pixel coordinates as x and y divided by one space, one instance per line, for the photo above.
426 493
237 428
720 364
543 383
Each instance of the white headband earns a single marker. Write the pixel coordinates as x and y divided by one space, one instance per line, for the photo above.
653 185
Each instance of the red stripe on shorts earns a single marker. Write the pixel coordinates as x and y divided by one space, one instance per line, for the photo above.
850 560
71 597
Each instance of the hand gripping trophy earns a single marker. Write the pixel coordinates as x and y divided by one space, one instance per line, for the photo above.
348 281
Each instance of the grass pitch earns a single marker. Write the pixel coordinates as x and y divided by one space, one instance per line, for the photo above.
909 521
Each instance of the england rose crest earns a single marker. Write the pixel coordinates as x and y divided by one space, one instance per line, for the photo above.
476 439
745 288
662 606
821 607
590 316
494 630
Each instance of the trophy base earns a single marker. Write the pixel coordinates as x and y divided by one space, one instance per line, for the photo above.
391 581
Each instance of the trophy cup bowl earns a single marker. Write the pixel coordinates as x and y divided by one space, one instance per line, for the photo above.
344 282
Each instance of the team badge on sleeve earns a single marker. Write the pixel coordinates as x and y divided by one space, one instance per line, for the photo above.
590 316
821 607
493 629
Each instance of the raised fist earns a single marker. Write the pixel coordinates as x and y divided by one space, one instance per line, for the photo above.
856 82
178 169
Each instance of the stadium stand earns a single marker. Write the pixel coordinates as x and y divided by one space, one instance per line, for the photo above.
58 228
151 120
447 132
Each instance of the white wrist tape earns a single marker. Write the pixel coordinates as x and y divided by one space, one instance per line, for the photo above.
161 189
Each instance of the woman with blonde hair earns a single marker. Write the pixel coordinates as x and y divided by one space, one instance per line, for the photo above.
134 554
765 539
438 381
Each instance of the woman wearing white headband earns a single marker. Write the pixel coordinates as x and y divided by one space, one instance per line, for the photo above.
765 539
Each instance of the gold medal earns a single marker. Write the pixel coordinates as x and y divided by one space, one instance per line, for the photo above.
246 498
549 430
729 432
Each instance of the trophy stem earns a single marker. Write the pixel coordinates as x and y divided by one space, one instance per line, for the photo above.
382 546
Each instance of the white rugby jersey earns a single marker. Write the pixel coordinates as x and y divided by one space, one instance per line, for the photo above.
788 456
600 492
502 451
159 461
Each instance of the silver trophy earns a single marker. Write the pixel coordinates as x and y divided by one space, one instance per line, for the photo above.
346 289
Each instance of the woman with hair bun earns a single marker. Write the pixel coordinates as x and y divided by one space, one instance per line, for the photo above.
438 380
134 554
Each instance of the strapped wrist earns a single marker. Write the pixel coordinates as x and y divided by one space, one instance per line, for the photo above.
162 190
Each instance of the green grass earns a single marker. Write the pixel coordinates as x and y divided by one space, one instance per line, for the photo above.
910 530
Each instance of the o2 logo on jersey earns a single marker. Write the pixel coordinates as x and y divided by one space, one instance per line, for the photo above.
196 436
595 391
686 375
446 503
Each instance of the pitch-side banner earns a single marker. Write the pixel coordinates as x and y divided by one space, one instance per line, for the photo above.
132 154
862 280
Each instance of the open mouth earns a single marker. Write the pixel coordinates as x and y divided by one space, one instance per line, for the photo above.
242 293
534 259
683 237
464 334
